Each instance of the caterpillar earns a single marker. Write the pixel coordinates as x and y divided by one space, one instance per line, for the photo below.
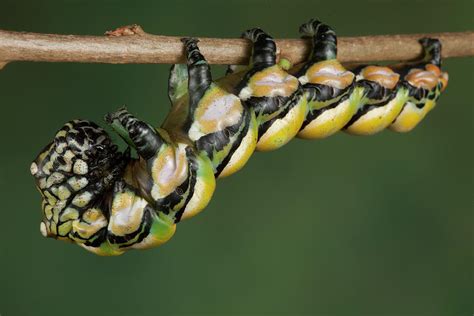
108 202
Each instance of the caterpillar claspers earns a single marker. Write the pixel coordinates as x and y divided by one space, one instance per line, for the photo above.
108 202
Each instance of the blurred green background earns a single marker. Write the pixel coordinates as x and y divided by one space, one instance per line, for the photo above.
349 225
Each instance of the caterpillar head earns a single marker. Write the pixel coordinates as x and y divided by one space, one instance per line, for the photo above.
72 174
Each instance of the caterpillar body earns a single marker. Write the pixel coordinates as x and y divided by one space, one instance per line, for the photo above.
108 202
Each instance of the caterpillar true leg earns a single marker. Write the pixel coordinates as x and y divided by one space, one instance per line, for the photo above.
425 82
328 86
138 134
274 95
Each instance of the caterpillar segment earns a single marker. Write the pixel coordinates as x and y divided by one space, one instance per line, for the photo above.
108 202
274 95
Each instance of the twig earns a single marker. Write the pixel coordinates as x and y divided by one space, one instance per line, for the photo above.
130 44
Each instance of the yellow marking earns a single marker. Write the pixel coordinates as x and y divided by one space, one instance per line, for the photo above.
244 151
379 118
105 249
332 120
285 129
203 190
160 232
411 116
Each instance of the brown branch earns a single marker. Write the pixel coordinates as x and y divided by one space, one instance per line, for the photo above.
131 44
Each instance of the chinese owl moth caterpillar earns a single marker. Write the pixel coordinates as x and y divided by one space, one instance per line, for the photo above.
108 202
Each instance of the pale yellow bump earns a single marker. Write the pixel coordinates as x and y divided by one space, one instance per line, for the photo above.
53 228
47 167
43 230
61 133
68 155
51 199
67 167
63 193
65 228
82 199
48 211
69 214
78 183
33 168
80 167
42 183
56 211
54 178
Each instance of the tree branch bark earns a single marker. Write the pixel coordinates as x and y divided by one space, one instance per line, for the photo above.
130 44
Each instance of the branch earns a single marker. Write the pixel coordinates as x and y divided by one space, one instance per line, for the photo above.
130 44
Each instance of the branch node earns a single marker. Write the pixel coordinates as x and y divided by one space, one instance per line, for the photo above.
127 30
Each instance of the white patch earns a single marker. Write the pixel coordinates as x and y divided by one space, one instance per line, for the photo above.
220 108
43 230
33 168
80 167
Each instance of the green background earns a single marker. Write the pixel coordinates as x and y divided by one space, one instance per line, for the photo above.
349 225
